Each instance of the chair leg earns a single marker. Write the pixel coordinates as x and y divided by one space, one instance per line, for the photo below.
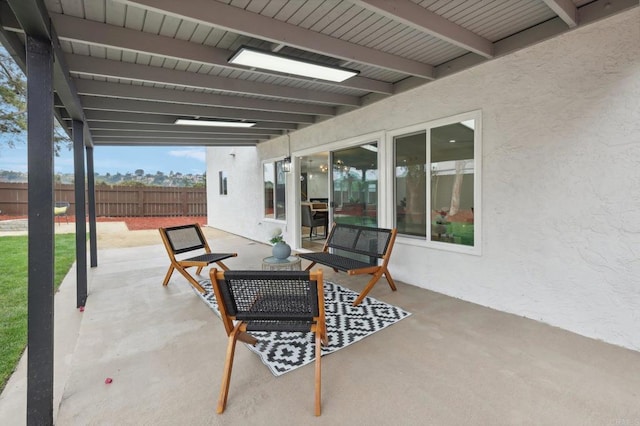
368 288
168 276
392 284
228 366
372 282
223 266
318 371
191 280
325 336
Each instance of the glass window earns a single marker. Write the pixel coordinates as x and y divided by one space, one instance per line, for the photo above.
411 184
223 182
355 185
280 191
435 174
452 181
274 190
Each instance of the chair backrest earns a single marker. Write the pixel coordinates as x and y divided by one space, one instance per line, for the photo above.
61 208
372 242
320 206
269 300
306 216
184 238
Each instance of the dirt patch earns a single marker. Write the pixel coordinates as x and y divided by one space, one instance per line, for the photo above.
116 232
140 231
135 223
141 223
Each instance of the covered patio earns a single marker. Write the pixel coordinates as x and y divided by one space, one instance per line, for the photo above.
450 362
130 72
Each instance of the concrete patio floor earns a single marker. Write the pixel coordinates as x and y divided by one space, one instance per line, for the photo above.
450 363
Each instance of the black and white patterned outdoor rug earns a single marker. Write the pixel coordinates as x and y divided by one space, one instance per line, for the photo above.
285 351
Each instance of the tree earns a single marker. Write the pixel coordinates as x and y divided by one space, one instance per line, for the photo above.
13 91
13 106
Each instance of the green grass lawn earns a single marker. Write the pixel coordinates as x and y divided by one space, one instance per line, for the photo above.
13 294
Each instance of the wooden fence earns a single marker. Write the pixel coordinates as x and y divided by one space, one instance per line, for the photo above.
116 201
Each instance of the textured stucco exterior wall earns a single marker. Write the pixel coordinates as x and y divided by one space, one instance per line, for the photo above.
241 210
560 179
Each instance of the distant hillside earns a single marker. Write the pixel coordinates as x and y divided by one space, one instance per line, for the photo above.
139 178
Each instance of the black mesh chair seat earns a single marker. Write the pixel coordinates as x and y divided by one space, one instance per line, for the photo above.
340 263
210 257
301 326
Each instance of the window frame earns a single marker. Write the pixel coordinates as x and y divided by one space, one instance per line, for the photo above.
426 127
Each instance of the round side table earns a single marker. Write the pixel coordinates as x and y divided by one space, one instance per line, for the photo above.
291 263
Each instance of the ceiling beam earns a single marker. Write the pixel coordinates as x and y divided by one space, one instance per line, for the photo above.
106 68
223 16
566 10
10 40
421 19
171 135
145 118
172 142
80 30
33 17
128 91
189 111
587 14
140 127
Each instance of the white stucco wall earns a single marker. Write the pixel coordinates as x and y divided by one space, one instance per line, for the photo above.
241 210
560 179
317 185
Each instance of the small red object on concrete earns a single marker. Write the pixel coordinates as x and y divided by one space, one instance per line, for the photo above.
81 308
108 380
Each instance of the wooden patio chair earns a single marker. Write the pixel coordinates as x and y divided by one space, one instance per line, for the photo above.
269 301
347 241
179 240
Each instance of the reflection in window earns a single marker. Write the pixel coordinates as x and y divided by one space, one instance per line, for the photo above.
434 193
452 175
355 185
411 184
274 190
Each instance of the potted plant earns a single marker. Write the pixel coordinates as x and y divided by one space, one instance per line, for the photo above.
281 250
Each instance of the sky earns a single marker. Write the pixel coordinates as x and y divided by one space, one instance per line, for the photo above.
110 159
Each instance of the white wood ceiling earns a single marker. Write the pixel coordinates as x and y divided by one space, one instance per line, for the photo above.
137 65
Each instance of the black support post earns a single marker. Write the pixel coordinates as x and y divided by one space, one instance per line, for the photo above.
91 190
81 213
41 232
